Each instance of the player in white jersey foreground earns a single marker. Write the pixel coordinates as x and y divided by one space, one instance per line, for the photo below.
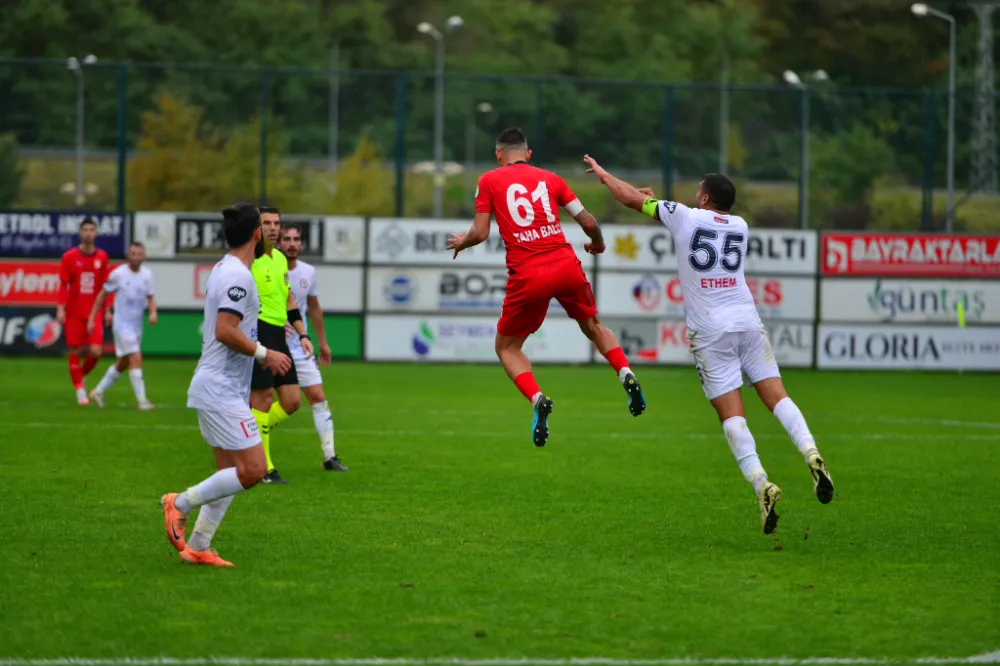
220 391
132 284
726 334
302 281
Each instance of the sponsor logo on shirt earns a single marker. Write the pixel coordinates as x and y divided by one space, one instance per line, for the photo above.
237 294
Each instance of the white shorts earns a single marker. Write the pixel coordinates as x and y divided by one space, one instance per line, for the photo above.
306 368
723 362
126 342
233 431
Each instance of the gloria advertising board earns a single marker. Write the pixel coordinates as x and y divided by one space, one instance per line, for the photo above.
659 295
392 289
911 255
424 242
49 234
651 247
169 235
182 285
910 301
468 338
666 341
908 347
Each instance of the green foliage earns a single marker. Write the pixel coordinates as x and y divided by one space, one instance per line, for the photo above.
184 163
849 163
11 170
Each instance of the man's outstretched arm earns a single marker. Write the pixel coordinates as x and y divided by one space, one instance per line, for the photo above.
628 195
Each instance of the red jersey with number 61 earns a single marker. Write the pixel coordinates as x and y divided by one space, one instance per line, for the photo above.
525 201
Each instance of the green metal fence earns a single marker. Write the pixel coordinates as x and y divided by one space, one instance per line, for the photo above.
876 157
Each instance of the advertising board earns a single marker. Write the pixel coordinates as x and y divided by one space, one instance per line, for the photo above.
27 331
908 347
181 285
423 242
50 233
651 247
466 338
659 295
665 341
180 334
399 289
910 301
910 255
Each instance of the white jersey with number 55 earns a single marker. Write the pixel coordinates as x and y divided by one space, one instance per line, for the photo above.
711 249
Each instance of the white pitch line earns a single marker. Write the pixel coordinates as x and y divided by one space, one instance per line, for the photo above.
991 658
493 434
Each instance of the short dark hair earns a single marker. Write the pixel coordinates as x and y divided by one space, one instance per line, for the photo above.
290 227
720 191
269 209
239 221
137 244
88 220
512 137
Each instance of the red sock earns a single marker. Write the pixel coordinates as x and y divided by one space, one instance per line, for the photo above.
75 373
89 364
616 357
526 384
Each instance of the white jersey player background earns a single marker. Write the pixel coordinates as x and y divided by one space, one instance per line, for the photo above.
132 286
221 382
132 290
302 281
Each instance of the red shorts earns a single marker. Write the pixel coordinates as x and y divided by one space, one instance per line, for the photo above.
530 288
76 334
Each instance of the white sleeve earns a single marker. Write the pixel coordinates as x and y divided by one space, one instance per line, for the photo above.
671 214
111 284
313 287
149 284
233 293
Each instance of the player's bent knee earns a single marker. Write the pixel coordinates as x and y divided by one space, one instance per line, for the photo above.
261 399
290 404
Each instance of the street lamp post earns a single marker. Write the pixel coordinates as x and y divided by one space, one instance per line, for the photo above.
792 78
920 9
425 28
76 67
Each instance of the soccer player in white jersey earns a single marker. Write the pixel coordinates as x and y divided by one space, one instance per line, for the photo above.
220 391
728 339
302 281
132 284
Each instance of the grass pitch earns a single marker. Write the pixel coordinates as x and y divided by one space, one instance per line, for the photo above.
453 536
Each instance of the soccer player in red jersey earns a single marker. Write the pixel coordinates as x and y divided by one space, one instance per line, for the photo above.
541 265
82 272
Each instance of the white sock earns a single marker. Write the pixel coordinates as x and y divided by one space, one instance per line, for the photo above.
744 449
138 386
109 379
535 398
624 371
223 483
788 413
324 426
208 521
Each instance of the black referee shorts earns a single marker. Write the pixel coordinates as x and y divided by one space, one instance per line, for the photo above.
272 337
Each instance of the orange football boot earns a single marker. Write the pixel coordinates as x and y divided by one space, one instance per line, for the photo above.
208 557
175 522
